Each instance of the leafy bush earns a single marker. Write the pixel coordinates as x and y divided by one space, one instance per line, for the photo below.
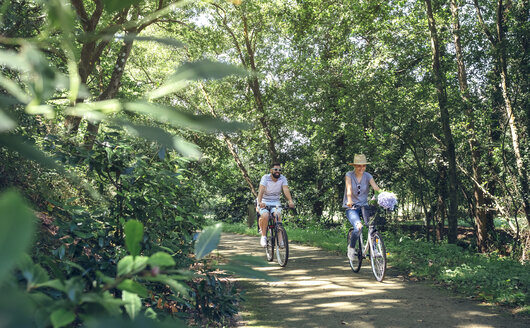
72 294
487 277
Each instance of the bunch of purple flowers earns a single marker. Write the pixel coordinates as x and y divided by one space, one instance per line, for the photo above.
387 200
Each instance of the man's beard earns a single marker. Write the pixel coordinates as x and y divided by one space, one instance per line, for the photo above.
276 175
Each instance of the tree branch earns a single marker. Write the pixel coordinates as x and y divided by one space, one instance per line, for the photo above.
82 14
484 27
225 23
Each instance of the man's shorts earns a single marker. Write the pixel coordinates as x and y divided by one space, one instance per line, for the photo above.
273 210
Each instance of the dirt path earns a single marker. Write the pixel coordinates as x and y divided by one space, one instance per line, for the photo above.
318 289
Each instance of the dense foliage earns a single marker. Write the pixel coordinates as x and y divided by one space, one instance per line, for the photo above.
118 115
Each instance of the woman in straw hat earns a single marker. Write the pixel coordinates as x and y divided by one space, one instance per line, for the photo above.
358 184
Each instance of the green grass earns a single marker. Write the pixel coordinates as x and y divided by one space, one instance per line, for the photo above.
489 278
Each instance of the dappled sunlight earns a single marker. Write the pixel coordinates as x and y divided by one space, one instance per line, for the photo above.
318 289
340 306
298 272
468 314
386 300
344 293
311 283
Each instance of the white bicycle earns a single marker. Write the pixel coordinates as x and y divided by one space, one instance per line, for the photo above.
374 249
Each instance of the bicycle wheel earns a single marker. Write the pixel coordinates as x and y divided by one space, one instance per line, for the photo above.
378 256
269 250
355 264
282 246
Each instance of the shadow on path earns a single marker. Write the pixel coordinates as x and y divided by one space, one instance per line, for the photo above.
318 289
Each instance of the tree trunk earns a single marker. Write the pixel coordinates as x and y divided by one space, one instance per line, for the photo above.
248 61
500 51
112 88
483 224
90 51
230 146
256 91
439 80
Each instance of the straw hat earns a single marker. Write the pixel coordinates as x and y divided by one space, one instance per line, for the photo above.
359 159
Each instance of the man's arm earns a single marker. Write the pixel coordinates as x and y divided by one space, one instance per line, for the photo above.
260 195
287 194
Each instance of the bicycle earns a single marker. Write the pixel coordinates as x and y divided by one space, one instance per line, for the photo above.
375 248
276 239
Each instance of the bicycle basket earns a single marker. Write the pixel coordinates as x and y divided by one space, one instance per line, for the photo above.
379 220
370 210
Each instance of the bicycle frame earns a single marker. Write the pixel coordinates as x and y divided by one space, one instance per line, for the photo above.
371 230
374 249
277 241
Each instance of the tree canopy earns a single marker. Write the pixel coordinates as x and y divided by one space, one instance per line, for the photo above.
127 125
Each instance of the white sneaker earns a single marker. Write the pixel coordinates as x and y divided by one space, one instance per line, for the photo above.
263 241
281 244
351 253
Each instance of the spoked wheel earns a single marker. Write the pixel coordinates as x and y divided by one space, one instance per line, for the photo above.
378 256
355 264
282 246
269 250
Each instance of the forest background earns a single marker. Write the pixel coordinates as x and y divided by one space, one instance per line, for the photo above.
166 114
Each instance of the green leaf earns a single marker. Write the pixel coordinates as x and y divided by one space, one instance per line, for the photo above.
203 69
17 225
6 123
74 288
133 304
134 233
111 304
55 284
139 263
13 88
95 111
61 16
208 240
104 278
61 318
175 285
133 287
17 144
161 259
7 101
206 69
161 137
125 265
241 265
130 264
150 313
14 61
166 41
182 119
117 5
37 275
246 271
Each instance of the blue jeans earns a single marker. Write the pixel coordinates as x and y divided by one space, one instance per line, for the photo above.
354 216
